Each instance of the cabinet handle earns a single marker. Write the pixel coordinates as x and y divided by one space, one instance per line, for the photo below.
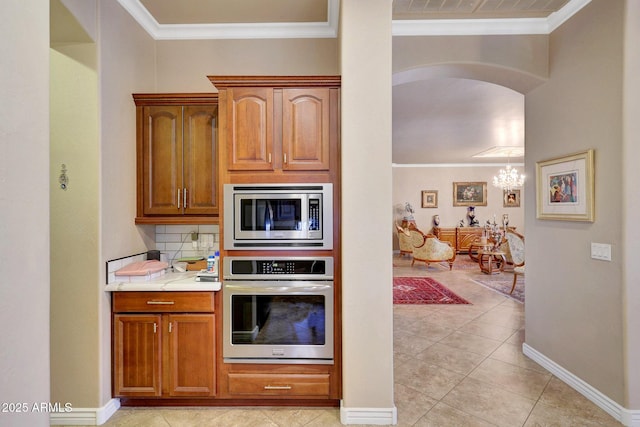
170 324
269 156
277 387
285 158
160 302
155 327
184 198
179 198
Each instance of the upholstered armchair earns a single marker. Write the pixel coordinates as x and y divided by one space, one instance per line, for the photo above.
513 247
408 238
433 250
404 240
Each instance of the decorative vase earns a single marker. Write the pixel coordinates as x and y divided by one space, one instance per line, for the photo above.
436 220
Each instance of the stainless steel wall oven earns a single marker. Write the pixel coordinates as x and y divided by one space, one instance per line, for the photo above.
278 310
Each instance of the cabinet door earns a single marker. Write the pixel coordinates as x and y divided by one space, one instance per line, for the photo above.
305 129
162 160
250 128
191 354
446 235
199 159
137 355
467 236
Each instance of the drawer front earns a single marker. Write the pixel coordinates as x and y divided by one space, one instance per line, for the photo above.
164 302
279 385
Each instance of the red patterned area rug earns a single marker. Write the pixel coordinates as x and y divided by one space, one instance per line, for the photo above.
423 290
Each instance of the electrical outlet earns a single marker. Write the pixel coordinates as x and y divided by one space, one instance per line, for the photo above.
601 251
194 236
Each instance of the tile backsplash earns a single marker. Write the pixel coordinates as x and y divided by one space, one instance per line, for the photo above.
175 241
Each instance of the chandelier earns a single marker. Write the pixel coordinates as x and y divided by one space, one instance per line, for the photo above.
508 178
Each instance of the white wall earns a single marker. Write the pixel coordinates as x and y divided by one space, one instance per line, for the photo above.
575 303
367 311
631 203
74 225
126 64
24 216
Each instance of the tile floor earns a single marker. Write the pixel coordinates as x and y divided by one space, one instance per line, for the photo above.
454 365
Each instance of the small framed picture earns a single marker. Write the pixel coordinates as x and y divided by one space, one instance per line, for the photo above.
565 188
511 198
469 194
429 198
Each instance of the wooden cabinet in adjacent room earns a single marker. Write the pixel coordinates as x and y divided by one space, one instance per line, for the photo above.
279 124
460 238
164 344
177 168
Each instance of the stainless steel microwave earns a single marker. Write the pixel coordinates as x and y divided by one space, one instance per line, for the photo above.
278 216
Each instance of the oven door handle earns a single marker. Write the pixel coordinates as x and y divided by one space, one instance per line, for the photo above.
285 287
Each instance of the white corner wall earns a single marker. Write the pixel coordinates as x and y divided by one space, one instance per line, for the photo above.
24 217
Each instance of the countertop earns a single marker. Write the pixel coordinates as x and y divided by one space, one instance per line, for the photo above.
167 282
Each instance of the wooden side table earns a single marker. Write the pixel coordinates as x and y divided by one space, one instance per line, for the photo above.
476 247
491 262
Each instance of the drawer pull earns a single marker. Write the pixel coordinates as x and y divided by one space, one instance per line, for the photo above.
277 387
160 302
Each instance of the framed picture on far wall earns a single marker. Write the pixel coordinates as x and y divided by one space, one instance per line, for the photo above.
511 198
469 194
429 198
565 188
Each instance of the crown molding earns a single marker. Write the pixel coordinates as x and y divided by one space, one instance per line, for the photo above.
474 27
329 29
266 30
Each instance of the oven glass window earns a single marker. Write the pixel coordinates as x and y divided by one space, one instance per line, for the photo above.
278 319
270 214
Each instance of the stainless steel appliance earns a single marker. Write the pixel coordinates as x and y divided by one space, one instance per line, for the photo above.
278 310
278 216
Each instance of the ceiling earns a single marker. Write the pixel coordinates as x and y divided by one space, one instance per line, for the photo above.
435 121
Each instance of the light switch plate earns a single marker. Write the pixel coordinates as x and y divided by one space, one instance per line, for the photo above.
601 251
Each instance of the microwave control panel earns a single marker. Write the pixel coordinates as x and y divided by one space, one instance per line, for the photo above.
314 214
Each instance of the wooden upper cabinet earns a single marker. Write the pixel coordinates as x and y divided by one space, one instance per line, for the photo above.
177 158
162 159
250 128
305 129
199 156
279 123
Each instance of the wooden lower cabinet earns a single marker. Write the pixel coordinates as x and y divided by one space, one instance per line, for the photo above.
279 382
137 355
163 354
304 385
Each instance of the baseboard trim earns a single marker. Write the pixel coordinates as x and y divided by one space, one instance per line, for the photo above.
371 416
86 416
628 417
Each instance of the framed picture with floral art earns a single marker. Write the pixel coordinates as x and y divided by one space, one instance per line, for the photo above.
469 194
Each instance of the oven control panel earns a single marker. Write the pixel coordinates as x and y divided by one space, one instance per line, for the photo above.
277 267
255 268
